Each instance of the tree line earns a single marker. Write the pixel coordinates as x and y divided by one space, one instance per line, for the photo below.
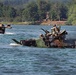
40 10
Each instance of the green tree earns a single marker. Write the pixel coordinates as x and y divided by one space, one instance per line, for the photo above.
31 12
1 10
72 13
43 8
9 12
63 12
58 11
55 11
19 16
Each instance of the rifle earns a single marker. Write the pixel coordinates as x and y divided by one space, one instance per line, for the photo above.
46 31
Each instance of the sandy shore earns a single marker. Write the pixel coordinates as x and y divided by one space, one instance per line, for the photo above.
53 22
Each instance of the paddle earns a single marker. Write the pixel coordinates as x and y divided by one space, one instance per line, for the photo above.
46 31
16 41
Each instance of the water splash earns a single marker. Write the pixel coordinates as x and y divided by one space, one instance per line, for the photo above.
14 44
9 33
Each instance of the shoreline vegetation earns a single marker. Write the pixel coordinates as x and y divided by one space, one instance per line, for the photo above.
39 12
49 22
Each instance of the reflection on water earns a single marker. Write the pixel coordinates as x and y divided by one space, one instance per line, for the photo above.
23 60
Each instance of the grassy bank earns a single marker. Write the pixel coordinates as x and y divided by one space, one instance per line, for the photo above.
37 23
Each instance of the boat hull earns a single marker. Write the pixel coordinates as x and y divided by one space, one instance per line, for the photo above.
69 43
2 30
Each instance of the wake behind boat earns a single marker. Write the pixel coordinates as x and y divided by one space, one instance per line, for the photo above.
9 33
14 44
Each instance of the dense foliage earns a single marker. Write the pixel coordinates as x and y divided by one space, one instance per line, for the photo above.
72 13
37 11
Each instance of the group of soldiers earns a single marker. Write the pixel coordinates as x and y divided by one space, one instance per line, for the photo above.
49 37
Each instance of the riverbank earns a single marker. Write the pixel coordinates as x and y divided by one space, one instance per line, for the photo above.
37 23
16 23
53 22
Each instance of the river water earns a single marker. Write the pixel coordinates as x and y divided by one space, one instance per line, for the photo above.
23 60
